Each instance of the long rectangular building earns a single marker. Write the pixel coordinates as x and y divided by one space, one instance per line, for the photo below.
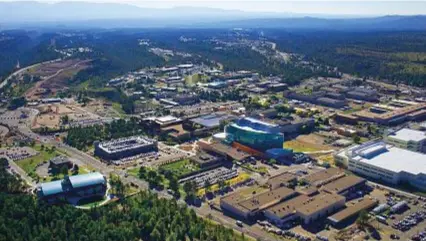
345 185
351 211
386 163
323 177
124 147
250 207
319 207
80 186
285 211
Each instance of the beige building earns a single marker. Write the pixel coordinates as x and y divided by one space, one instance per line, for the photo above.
283 179
408 139
320 206
285 211
247 207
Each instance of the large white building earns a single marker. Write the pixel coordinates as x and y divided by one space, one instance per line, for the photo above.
385 162
409 139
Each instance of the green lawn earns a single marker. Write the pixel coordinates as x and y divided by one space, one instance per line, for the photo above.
30 164
134 171
261 170
117 107
181 168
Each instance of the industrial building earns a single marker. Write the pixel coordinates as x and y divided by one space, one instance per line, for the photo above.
352 211
124 147
214 120
205 160
227 152
285 211
320 206
255 134
345 186
80 186
323 177
247 208
386 163
284 179
411 112
165 120
409 139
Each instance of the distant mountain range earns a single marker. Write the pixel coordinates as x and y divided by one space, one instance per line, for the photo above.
30 14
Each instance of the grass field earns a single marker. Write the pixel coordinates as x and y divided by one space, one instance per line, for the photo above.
298 146
261 170
181 168
29 164
117 107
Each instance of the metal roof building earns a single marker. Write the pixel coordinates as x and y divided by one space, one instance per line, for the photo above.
72 186
212 120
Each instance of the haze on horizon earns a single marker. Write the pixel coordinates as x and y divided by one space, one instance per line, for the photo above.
345 7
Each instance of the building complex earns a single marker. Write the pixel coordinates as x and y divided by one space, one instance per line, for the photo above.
124 147
409 139
80 186
384 162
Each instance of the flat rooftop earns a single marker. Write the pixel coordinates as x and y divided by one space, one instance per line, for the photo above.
319 202
287 208
123 144
212 120
343 184
392 158
351 211
267 199
230 151
323 175
260 201
282 178
167 119
406 134
204 157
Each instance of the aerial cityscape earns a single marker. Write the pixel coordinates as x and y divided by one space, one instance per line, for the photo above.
160 122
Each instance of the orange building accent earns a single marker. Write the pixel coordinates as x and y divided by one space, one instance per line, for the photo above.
248 149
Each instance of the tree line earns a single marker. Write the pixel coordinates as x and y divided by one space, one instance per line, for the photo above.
141 217
82 137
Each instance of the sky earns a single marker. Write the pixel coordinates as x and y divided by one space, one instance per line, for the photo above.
335 7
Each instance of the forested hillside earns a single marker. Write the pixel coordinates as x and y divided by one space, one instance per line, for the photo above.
24 47
399 57
142 217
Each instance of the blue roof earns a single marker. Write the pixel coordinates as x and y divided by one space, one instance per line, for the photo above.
61 186
84 180
279 152
51 188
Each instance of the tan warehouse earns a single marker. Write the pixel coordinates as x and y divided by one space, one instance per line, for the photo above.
320 206
250 207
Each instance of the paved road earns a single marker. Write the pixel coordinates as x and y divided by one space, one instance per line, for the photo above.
2 84
203 211
393 189
250 230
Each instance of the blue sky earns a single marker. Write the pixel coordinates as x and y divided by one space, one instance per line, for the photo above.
302 6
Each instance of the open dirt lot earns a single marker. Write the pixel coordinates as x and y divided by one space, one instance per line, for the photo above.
307 143
55 75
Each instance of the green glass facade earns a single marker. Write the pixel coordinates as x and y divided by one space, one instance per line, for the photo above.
255 134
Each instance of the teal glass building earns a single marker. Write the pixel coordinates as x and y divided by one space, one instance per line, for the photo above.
255 134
